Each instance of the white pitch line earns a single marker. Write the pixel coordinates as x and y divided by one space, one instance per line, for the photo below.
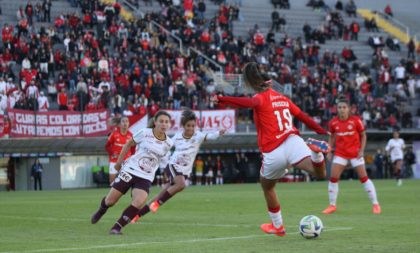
127 245
138 223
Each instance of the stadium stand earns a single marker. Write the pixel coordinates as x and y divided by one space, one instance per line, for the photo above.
102 61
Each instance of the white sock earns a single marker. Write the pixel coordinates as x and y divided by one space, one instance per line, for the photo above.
370 189
276 218
317 157
333 192
221 180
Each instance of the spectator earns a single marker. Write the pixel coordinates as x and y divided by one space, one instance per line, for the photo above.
370 25
355 29
43 104
400 73
220 167
379 162
351 8
388 10
276 3
46 6
409 162
29 11
339 5
36 174
20 14
241 165
201 9
6 127
348 54
62 100
393 44
411 46
275 17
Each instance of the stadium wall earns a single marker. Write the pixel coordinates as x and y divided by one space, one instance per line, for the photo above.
68 161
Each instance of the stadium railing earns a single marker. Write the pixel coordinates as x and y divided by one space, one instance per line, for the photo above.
389 24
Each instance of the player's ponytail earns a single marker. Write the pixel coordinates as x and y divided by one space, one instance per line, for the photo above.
255 78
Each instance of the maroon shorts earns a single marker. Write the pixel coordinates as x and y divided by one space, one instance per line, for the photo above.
123 182
171 173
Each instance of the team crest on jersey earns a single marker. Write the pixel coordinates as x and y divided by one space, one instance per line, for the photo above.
350 127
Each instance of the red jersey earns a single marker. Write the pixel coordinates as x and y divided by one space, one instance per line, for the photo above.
115 143
273 117
347 136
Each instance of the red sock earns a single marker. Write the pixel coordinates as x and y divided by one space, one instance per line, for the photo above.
364 179
333 179
274 209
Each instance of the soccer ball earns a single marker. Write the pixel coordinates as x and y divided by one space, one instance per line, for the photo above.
310 226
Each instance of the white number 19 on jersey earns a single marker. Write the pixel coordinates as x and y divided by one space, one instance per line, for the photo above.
284 119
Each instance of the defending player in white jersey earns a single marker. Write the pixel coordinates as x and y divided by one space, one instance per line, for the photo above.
138 171
395 148
186 143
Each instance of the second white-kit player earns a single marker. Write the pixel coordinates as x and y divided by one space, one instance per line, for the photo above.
187 144
395 148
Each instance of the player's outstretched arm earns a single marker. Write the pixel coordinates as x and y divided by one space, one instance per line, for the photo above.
241 102
309 122
215 135
124 151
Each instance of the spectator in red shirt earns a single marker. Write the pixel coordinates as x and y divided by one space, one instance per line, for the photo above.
259 41
153 108
62 100
6 127
388 10
355 29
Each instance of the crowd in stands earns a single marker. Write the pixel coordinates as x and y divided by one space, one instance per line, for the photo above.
91 59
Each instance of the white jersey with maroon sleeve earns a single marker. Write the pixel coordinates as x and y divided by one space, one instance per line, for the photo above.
185 151
149 153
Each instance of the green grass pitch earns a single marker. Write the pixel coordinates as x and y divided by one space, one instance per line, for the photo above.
215 219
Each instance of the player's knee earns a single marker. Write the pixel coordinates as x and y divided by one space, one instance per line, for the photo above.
180 185
110 201
137 203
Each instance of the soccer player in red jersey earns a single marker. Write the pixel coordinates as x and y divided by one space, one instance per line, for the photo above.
116 142
349 138
278 140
